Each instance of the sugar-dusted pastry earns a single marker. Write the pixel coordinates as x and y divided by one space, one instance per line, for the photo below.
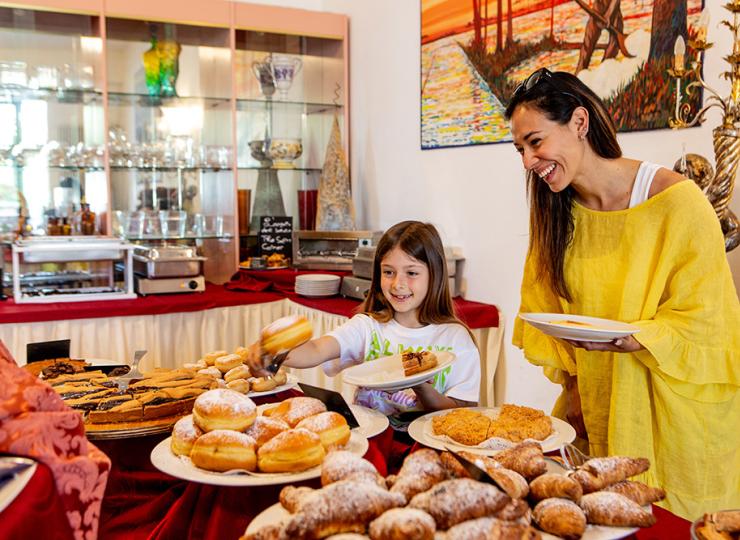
341 507
452 465
526 458
223 408
514 510
403 524
291 451
224 450
615 510
228 362
184 435
210 358
420 471
454 501
240 385
561 517
613 469
264 428
330 426
551 485
291 497
239 372
211 371
295 409
487 528
641 493
342 464
513 483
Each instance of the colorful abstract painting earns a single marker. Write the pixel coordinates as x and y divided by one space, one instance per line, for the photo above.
475 52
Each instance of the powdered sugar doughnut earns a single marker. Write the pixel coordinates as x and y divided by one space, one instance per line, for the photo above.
223 408
184 435
224 450
264 428
330 426
293 410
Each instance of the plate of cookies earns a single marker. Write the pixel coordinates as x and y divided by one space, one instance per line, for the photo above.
433 496
229 441
398 371
487 431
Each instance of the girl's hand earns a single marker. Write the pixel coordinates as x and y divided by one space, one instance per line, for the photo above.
626 344
573 411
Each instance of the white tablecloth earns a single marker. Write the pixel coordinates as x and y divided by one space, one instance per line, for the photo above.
175 338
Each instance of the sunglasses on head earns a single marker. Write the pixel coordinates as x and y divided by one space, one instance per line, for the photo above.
542 74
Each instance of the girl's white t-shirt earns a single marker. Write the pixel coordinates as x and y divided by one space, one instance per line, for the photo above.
363 338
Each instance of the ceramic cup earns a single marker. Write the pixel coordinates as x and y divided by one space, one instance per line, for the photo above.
284 70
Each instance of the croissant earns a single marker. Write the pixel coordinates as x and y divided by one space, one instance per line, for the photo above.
268 532
514 510
561 517
589 483
420 471
403 524
341 464
613 509
452 466
613 469
526 458
453 501
728 521
555 485
292 497
340 507
486 528
641 493
513 483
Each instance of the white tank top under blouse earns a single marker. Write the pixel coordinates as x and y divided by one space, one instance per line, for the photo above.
643 181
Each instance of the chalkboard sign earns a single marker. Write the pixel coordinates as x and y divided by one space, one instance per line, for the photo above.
276 235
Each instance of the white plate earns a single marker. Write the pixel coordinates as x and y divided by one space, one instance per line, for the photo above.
10 489
371 422
291 383
421 431
387 373
167 462
560 325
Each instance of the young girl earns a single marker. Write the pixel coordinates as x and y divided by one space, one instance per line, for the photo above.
408 307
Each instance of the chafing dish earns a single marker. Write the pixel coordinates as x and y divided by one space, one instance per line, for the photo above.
167 261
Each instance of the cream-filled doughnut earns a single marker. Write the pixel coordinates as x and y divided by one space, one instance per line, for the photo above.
210 358
291 451
224 450
280 378
243 352
212 371
240 385
223 408
184 435
263 384
293 410
228 362
264 428
330 426
285 334
239 372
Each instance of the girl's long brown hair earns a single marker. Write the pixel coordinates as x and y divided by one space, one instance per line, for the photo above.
551 214
422 242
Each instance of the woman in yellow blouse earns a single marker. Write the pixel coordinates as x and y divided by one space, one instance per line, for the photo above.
616 238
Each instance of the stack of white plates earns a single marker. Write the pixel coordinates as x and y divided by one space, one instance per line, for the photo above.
317 285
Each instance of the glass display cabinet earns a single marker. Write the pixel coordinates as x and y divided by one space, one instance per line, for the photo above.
165 123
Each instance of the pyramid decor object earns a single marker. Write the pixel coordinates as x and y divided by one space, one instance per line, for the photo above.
335 210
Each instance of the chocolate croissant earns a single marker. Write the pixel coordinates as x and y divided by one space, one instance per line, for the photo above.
561 517
615 510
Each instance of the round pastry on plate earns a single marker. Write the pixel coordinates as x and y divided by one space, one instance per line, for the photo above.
223 408
286 333
184 435
228 362
330 426
265 428
210 358
291 451
239 372
224 450
240 385
295 409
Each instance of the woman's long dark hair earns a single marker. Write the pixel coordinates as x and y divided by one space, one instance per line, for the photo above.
422 242
557 95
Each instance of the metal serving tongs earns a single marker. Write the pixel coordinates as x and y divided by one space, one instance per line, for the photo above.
279 357
133 375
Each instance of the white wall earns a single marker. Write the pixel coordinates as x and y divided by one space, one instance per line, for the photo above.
475 195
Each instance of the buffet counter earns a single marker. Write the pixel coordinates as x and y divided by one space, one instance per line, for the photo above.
180 328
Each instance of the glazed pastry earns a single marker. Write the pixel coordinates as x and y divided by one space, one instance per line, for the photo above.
615 510
239 372
184 435
420 471
228 362
403 524
454 501
210 358
342 464
224 450
641 493
285 333
263 429
561 517
341 507
613 469
416 362
553 485
291 451
223 408
281 377
525 458
292 497
293 410
330 426
514 510
488 528
263 384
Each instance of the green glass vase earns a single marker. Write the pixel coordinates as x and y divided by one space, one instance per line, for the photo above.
169 66
151 69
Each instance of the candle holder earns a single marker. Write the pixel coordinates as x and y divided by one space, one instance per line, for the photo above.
726 137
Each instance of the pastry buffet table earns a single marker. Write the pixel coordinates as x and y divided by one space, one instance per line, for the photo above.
179 328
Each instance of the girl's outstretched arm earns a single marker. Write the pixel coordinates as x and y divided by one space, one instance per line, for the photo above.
310 354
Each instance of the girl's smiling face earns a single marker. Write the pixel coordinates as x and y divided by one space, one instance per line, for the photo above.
405 283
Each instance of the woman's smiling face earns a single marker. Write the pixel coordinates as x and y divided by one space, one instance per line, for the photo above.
552 151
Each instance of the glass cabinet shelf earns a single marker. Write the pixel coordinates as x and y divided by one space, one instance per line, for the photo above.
14 94
286 169
298 106
150 237
145 100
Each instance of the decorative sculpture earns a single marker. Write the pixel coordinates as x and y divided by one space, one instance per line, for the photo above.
335 209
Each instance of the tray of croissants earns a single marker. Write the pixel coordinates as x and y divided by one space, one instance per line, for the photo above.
434 498
228 440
